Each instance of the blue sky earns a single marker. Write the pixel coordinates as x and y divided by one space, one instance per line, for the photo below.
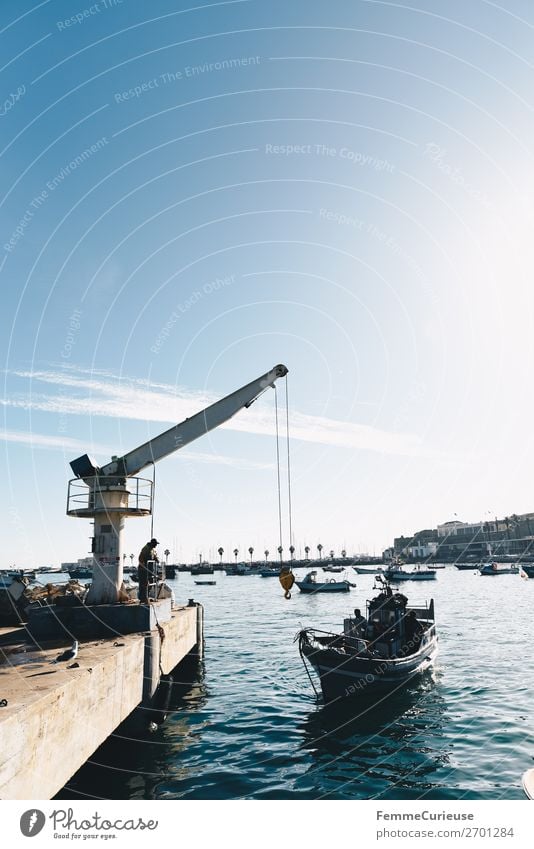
191 195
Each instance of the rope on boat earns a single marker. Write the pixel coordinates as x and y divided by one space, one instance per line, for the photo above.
300 637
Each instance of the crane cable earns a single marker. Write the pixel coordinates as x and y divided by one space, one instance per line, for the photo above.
288 469
286 577
278 470
153 499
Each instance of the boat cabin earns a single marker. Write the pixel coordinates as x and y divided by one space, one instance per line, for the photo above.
391 630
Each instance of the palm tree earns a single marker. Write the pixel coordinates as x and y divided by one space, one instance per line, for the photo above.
332 554
292 551
123 560
307 551
280 550
266 552
236 552
132 558
320 550
343 553
251 552
166 553
220 552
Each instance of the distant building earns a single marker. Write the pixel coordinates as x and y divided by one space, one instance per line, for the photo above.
456 540
456 528
81 562
421 552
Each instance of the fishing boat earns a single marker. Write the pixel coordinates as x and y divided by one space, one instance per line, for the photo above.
499 569
310 584
84 572
236 569
270 573
419 573
205 583
331 567
202 569
528 570
389 646
467 566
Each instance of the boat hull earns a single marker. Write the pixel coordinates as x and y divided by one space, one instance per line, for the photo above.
343 675
411 576
338 587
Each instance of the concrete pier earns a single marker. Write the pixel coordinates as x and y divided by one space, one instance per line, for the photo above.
56 717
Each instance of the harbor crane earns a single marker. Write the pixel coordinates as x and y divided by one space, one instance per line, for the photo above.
111 493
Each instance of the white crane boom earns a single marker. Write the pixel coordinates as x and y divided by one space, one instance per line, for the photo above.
111 493
181 434
194 427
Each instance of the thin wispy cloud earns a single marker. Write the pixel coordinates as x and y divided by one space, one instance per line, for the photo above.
102 394
73 446
41 440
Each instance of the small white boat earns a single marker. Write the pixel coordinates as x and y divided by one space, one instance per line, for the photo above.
310 584
499 569
388 647
368 570
331 567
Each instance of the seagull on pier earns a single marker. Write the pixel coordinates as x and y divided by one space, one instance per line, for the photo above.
68 654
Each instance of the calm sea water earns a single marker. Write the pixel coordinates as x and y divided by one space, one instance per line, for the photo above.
249 725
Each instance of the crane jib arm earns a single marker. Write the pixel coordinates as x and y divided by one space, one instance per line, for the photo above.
181 434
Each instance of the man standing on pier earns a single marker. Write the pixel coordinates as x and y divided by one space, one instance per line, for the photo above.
147 553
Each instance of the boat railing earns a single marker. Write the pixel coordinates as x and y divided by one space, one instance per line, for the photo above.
424 613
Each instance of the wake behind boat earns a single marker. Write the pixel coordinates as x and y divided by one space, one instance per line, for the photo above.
310 584
390 646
